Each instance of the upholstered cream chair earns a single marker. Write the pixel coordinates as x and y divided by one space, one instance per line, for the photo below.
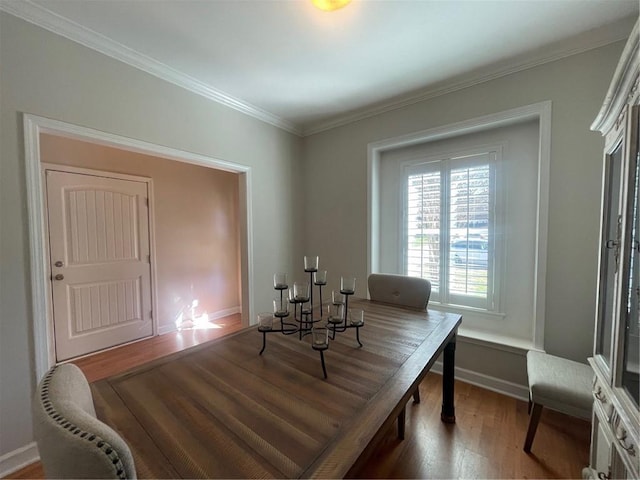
559 384
402 291
72 442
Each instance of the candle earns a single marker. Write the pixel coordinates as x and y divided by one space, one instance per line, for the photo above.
357 316
320 277
310 263
320 336
280 281
265 321
347 285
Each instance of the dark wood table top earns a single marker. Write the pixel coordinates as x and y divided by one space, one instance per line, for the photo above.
220 410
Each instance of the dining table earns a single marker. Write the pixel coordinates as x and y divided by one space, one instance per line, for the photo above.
223 410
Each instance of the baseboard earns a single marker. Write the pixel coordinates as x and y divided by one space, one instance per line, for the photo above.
510 389
162 329
20 458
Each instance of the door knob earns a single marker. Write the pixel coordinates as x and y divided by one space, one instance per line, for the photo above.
59 277
58 264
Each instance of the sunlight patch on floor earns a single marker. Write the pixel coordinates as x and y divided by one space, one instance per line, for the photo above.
189 320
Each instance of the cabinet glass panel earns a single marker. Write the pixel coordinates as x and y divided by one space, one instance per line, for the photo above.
630 312
611 252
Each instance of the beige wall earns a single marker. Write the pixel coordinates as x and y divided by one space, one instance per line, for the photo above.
196 224
335 162
47 75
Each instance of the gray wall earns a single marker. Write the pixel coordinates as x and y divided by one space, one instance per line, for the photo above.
49 76
335 172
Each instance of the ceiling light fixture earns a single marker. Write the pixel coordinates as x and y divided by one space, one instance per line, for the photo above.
330 5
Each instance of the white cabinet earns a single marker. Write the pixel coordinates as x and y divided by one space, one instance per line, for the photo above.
615 437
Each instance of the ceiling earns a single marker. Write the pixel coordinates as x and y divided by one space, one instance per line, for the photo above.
306 70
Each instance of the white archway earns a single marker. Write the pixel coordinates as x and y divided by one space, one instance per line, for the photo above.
33 127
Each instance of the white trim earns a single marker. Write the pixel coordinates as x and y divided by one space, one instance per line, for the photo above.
152 257
96 173
19 458
373 215
465 310
544 168
540 111
245 219
621 83
496 341
40 303
33 127
44 18
164 329
510 389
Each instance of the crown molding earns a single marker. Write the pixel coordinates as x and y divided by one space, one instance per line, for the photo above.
41 17
612 33
622 85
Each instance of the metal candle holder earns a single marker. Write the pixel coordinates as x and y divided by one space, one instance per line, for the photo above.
306 323
343 324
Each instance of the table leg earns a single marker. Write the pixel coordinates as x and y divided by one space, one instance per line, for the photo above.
448 414
324 368
401 423
264 342
358 336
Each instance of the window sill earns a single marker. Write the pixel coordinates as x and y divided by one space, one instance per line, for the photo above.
486 338
498 342
462 309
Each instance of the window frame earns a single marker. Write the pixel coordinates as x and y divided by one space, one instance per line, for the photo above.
445 163
531 334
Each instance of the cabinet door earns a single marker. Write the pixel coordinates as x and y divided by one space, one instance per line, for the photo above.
601 449
629 312
610 253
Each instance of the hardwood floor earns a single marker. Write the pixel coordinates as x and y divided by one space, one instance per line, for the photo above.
485 442
107 363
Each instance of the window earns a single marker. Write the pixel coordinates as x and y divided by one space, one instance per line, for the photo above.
449 220
468 212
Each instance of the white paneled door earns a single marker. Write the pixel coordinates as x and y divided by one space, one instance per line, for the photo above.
100 262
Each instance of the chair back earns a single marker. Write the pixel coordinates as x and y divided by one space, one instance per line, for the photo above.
72 442
400 290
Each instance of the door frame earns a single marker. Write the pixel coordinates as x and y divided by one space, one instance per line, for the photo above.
44 167
34 125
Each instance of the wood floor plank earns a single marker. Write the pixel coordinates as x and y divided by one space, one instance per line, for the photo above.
117 360
433 449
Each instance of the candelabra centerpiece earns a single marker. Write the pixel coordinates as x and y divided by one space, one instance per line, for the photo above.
339 318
